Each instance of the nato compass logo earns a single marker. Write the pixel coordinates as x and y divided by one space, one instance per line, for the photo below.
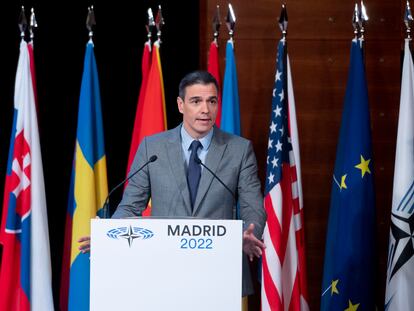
130 234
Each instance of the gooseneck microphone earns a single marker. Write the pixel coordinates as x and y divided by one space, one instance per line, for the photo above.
105 207
198 161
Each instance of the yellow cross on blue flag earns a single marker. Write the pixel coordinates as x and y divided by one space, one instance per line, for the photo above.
88 188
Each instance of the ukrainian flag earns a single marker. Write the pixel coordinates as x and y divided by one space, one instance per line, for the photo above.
89 188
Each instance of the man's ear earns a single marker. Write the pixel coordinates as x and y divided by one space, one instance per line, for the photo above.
180 104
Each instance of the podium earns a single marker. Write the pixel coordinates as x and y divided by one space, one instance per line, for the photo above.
154 264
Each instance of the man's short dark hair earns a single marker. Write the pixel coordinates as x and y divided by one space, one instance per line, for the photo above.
196 77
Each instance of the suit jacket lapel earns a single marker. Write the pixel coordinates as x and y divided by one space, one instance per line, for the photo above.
177 166
214 156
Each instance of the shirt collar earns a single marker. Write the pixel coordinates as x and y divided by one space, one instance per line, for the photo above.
187 139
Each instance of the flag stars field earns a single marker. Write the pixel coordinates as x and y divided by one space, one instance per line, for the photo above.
278 75
273 127
334 289
279 146
282 95
351 306
271 178
343 184
269 145
277 111
352 208
364 166
274 162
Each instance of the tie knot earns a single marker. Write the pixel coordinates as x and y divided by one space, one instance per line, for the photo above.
195 144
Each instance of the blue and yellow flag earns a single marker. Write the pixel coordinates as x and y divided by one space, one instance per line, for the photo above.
89 181
348 279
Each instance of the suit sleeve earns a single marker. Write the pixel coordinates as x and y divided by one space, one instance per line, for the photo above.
249 193
138 190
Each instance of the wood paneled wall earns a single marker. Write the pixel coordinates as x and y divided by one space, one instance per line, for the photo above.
319 40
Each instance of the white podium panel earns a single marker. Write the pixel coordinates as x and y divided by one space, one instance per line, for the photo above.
166 264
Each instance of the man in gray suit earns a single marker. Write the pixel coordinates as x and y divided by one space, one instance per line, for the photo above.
180 187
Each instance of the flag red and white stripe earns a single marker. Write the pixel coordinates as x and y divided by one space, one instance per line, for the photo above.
283 261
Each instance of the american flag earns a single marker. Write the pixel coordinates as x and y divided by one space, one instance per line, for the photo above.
283 261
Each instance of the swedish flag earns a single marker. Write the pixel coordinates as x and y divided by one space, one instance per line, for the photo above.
89 188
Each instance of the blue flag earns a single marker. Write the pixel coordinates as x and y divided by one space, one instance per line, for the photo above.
230 113
348 279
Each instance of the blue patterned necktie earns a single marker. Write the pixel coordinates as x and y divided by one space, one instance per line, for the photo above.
193 172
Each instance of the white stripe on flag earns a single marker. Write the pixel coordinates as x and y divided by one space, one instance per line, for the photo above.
290 265
298 221
264 301
272 258
277 202
294 131
295 193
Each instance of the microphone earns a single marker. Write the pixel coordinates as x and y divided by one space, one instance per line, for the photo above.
105 207
198 161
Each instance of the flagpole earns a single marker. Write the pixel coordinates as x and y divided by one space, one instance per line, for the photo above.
216 25
150 25
359 19
283 22
159 23
33 24
231 22
22 23
90 22
408 20
356 22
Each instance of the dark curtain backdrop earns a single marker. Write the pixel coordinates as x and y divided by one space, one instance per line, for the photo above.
59 49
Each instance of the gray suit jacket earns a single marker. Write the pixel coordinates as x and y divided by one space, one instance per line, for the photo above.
164 181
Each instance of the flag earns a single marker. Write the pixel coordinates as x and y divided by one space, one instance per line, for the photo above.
230 113
348 278
152 117
214 69
136 137
33 71
283 261
89 188
400 268
25 275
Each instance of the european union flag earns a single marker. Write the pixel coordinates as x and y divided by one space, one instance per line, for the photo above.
348 279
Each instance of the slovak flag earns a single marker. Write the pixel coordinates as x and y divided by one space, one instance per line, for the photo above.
25 275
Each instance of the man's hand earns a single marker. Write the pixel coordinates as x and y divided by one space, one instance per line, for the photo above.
85 246
85 241
251 245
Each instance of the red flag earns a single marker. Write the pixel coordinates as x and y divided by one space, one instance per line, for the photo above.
151 115
136 137
214 69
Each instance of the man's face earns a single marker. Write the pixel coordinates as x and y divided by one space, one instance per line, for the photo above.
199 109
